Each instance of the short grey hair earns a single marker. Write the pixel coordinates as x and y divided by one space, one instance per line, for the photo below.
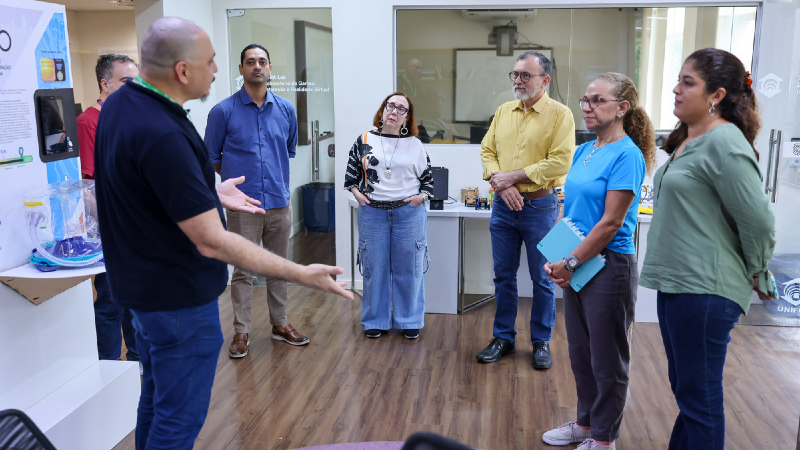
167 41
544 61
104 69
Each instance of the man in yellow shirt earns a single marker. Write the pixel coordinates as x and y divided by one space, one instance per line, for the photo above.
525 154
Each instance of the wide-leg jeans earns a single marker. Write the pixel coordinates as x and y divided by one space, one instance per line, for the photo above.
392 257
179 350
509 229
696 329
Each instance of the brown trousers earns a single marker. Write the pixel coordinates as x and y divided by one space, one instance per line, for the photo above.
272 230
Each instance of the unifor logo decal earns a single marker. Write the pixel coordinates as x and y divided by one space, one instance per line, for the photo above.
5 41
770 85
791 291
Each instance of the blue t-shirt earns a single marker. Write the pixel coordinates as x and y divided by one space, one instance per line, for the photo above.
615 167
254 142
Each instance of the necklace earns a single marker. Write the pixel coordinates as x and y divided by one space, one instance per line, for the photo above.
388 171
596 148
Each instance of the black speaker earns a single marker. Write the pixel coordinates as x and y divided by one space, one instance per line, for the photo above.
440 175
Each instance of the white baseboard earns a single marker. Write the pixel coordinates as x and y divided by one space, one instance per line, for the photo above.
296 228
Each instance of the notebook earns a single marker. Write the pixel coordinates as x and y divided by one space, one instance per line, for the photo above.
560 242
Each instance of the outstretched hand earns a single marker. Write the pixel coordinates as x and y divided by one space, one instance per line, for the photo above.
232 198
318 276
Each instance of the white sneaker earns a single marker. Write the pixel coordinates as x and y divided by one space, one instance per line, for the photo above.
568 433
591 444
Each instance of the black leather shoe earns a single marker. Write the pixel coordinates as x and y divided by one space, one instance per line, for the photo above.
496 349
541 355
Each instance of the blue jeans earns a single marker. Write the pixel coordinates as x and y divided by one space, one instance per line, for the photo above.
696 329
392 256
108 318
179 351
509 229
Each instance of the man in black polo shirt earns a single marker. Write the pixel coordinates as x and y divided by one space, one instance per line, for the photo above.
164 236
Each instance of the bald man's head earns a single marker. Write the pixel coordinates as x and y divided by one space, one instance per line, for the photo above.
167 41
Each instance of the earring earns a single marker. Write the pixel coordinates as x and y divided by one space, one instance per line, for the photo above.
381 122
404 130
712 110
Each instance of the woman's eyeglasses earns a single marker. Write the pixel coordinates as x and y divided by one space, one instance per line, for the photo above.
594 101
400 108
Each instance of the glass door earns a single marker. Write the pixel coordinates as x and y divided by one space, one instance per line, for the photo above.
301 53
777 84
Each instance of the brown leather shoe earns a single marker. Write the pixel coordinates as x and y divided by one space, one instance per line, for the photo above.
289 334
238 348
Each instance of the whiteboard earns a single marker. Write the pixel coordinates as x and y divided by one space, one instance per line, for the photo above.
482 83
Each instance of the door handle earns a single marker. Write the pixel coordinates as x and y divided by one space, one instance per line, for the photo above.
773 164
315 150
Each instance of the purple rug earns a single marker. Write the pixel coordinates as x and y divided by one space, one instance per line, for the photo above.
382 445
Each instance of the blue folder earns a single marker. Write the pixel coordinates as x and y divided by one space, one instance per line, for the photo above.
560 242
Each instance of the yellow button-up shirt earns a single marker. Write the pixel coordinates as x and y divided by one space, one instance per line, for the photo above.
540 140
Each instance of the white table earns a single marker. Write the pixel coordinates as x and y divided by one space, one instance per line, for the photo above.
444 282
645 297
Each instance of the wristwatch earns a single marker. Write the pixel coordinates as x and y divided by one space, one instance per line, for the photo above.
425 196
571 263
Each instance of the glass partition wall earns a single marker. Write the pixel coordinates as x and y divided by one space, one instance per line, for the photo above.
454 63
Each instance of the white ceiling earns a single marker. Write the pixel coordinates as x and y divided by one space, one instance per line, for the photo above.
91 5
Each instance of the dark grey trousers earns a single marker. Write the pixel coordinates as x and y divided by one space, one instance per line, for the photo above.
598 319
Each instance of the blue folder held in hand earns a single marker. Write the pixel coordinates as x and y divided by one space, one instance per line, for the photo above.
560 242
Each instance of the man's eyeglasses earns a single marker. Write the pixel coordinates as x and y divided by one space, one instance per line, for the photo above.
400 109
595 101
524 76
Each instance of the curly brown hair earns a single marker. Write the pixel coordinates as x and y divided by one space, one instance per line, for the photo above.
411 124
720 69
636 123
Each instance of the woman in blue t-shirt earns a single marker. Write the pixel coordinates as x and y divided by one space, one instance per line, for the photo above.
601 197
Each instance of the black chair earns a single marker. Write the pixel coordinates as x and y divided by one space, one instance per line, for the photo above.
430 441
18 432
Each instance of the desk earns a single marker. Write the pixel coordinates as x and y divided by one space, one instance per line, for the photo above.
444 282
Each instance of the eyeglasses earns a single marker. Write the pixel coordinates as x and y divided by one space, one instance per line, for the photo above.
595 101
400 109
524 76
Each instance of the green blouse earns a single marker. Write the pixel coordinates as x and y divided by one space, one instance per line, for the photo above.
712 226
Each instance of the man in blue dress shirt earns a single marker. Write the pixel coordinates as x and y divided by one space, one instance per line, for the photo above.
254 133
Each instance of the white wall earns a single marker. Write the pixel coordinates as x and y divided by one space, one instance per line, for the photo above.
364 69
92 33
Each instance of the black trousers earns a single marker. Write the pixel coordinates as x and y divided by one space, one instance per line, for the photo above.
598 319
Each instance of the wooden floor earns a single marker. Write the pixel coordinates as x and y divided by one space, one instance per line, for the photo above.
343 387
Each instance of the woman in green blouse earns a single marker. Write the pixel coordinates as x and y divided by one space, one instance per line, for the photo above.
710 239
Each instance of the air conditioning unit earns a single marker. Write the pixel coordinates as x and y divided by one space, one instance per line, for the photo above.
499 14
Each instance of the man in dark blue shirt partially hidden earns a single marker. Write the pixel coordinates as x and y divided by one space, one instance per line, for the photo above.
254 133
164 236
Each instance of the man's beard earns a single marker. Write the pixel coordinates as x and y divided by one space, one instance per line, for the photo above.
205 97
527 95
